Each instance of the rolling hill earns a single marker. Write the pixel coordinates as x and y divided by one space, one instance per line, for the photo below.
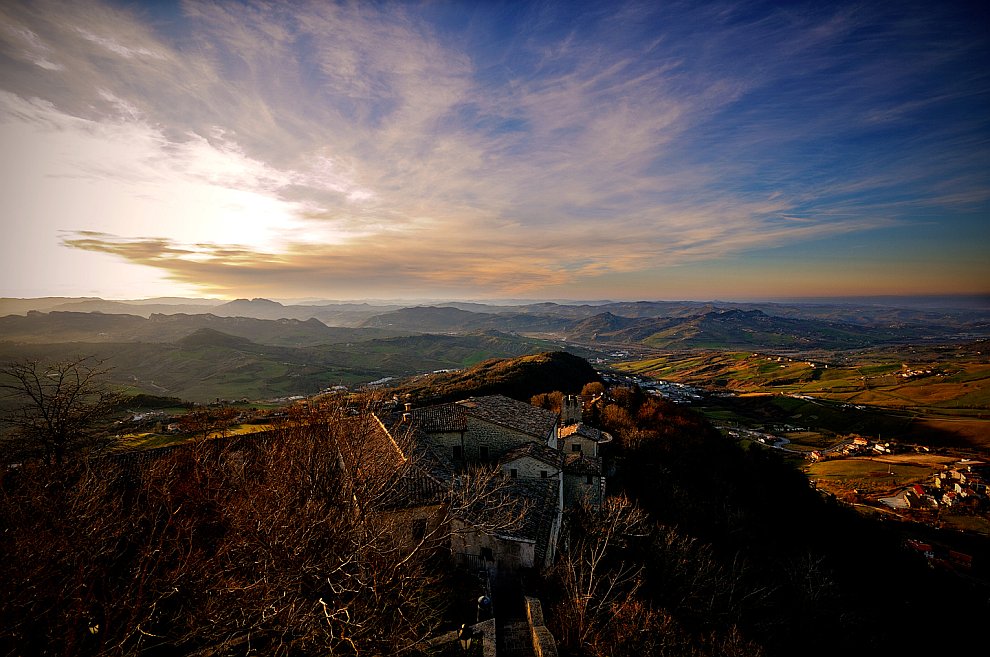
520 378
207 363
54 327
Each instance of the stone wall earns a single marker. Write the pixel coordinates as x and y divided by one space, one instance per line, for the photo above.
589 447
509 554
578 490
498 439
529 468
544 644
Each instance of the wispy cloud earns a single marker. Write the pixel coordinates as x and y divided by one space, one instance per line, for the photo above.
287 149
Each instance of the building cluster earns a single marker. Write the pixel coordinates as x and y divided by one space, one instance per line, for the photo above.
858 446
548 462
965 484
962 486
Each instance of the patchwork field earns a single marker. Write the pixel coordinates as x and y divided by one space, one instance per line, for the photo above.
938 396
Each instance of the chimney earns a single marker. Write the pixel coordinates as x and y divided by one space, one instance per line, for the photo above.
406 417
408 406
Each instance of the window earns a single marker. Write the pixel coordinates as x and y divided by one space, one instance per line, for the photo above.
514 473
543 474
483 452
486 554
576 447
419 529
456 451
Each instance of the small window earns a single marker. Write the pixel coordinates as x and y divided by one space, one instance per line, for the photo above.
419 529
456 451
589 479
486 554
576 447
514 473
483 452
543 474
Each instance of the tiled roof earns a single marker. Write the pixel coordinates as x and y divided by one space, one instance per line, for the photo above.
541 496
585 431
538 451
434 461
440 419
576 463
415 486
512 414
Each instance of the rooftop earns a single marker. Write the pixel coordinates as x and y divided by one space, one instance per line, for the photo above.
512 414
440 419
538 451
576 463
584 431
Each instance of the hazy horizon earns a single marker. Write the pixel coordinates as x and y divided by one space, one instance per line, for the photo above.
958 301
560 150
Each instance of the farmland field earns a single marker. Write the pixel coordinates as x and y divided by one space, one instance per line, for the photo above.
935 395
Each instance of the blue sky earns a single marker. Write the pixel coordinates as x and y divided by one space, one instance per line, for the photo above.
486 150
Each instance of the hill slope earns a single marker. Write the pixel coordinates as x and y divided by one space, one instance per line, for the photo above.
520 378
56 327
207 363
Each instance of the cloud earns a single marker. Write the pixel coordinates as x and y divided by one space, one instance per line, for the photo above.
276 147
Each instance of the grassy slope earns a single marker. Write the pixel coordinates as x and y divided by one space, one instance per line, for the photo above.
209 364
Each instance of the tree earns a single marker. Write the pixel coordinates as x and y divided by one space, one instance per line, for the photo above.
596 579
57 408
297 541
593 389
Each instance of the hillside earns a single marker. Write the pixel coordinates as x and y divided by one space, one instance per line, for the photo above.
520 378
208 363
54 327
746 329
444 319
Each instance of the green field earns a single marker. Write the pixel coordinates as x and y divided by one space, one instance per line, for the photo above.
868 475
937 395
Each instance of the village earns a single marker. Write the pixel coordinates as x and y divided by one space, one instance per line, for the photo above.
549 461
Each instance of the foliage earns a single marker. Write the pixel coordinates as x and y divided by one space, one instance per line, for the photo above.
297 541
737 555
58 407
551 401
519 378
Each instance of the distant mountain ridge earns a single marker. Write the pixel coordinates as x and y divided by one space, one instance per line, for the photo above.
659 324
37 327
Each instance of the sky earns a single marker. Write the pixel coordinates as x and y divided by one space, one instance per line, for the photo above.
484 150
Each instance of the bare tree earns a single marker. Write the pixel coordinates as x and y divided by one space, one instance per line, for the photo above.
597 579
295 542
58 407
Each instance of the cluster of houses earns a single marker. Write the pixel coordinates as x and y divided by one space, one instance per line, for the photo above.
858 446
550 462
965 484
962 486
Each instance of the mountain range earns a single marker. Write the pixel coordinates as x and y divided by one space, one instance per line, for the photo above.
661 325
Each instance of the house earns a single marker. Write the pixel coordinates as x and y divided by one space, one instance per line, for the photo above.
571 410
582 439
547 467
533 461
531 545
442 427
583 480
496 424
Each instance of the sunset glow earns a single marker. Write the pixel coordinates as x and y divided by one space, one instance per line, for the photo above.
483 150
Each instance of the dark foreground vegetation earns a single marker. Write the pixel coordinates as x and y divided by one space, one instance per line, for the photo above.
709 549
294 542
